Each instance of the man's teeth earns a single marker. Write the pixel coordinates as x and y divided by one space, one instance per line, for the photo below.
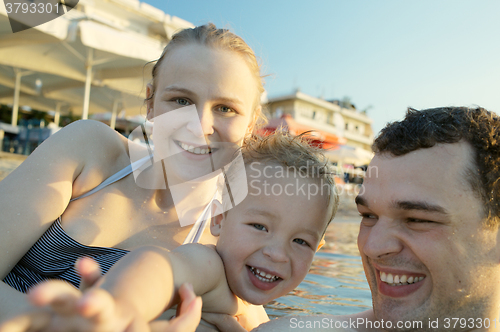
263 276
194 150
397 280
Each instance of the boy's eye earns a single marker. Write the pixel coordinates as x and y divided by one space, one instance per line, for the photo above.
301 242
259 227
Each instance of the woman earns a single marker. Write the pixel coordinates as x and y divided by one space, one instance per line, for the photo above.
210 68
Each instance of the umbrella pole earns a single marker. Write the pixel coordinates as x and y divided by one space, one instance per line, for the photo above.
88 80
57 116
17 88
112 122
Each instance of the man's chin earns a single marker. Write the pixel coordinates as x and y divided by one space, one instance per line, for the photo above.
395 312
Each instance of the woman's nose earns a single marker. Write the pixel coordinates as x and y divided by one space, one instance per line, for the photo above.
204 124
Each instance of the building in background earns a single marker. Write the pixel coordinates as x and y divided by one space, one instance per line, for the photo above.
325 116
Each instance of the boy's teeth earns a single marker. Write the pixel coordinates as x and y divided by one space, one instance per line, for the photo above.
194 150
263 276
398 280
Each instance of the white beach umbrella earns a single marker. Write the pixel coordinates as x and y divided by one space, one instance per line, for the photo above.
74 52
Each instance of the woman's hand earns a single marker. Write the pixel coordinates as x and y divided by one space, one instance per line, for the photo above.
61 307
41 312
188 314
253 317
58 306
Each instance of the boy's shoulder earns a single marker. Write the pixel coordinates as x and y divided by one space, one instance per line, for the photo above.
200 255
204 249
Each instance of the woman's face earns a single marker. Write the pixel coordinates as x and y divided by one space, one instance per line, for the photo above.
221 90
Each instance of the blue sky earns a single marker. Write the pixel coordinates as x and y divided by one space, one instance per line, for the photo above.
384 55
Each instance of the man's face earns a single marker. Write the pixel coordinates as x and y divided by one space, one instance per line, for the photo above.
422 239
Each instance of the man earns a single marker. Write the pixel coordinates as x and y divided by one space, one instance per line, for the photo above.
429 235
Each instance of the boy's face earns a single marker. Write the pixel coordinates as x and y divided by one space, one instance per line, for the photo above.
268 241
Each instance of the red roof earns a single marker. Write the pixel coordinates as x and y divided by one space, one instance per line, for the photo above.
319 138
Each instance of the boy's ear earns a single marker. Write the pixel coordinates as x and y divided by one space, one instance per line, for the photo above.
321 243
217 218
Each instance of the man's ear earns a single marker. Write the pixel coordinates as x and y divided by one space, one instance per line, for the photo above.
321 243
217 218
150 102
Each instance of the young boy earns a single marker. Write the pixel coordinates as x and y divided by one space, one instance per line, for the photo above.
265 248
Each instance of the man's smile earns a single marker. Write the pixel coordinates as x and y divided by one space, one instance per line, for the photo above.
399 280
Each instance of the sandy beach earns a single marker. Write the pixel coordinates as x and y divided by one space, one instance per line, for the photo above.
9 162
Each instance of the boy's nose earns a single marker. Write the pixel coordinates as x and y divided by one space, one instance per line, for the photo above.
276 252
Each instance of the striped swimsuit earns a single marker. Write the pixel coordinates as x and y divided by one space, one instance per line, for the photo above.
54 255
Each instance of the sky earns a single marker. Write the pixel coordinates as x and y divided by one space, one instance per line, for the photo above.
384 55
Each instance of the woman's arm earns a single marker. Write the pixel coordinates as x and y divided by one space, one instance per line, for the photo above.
39 190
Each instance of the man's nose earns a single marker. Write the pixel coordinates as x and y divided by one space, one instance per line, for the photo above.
380 240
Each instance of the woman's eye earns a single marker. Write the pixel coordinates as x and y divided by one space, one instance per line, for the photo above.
301 242
225 109
259 227
181 101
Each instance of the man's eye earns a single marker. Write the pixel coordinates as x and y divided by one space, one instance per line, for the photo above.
414 220
301 242
368 219
259 227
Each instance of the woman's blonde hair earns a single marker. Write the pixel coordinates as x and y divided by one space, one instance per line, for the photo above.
209 35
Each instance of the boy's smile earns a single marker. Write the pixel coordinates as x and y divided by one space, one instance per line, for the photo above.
268 241
262 279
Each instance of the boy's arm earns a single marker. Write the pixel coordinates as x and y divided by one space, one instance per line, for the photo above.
146 281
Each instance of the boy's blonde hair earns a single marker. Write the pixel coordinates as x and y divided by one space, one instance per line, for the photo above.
295 153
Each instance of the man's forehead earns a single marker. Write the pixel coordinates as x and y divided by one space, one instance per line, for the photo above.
424 176
441 160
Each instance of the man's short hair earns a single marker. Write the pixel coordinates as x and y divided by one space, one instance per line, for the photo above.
477 126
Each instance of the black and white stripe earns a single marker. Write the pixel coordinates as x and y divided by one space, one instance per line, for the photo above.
53 256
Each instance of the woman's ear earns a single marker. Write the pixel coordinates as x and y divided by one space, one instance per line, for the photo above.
150 101
255 118
321 243
217 218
